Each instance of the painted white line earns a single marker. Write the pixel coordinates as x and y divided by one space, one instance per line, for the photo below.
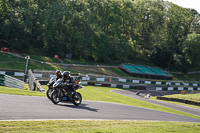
81 120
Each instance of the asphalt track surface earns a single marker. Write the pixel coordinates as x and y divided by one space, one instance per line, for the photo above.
17 107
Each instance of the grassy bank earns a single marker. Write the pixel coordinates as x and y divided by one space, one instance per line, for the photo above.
11 62
82 126
187 77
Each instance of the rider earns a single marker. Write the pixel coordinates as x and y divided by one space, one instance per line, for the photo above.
58 74
68 81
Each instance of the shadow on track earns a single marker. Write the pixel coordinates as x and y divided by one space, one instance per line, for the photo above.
81 106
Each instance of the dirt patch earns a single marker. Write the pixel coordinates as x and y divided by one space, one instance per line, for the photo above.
93 70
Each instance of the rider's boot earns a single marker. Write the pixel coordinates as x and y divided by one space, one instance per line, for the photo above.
65 92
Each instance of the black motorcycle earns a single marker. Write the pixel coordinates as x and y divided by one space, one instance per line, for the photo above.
50 87
60 94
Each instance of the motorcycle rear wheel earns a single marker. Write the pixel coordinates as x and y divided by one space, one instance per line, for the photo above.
55 97
77 98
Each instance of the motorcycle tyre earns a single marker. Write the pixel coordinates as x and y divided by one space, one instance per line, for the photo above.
80 98
55 93
48 93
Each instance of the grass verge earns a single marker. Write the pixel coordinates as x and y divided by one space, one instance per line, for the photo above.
16 91
97 126
192 97
183 104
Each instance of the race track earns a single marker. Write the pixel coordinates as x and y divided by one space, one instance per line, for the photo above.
132 94
17 107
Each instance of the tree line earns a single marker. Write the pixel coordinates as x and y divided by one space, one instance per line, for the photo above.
104 30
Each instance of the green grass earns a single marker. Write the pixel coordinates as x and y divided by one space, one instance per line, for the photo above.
120 72
95 126
8 61
67 61
88 62
116 72
45 87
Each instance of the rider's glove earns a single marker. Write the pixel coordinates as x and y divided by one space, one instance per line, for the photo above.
66 83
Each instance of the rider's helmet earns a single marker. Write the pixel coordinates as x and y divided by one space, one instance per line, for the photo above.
58 73
66 74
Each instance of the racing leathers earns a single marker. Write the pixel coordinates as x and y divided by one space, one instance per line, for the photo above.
68 84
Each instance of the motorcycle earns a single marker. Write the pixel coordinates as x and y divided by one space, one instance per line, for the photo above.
60 94
50 87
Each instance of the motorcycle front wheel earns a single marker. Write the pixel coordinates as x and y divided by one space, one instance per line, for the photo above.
55 97
77 98
48 93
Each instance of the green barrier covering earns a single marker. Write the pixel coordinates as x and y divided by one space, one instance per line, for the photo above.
119 86
2 79
10 73
2 76
133 87
175 88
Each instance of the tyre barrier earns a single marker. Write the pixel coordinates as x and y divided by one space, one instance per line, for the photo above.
179 100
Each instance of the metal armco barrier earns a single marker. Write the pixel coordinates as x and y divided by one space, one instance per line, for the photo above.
114 85
9 81
16 74
177 88
131 83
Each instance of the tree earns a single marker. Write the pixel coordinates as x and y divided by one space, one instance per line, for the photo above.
191 50
99 30
178 22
